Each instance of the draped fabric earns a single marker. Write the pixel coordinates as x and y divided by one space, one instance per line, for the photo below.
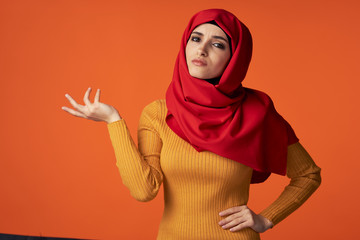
228 119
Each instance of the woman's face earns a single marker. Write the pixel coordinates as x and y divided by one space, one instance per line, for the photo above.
207 52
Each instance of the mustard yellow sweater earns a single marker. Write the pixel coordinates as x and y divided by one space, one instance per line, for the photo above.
198 185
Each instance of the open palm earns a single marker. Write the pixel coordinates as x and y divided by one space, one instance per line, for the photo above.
95 111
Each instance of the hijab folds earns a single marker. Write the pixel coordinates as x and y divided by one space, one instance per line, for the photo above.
226 118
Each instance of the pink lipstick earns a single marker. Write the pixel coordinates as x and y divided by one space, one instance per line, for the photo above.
199 62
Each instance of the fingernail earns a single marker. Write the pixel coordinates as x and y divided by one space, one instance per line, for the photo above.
66 95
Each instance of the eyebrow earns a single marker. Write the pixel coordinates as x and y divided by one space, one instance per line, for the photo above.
215 36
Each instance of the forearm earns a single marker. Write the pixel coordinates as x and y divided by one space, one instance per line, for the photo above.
137 174
293 196
305 179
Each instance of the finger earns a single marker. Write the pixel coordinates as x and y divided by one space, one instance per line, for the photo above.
240 226
74 113
232 210
231 218
74 103
86 97
233 223
97 96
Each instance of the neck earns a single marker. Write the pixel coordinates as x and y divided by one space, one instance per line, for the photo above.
213 81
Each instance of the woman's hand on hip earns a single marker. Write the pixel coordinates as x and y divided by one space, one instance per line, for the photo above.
96 111
240 217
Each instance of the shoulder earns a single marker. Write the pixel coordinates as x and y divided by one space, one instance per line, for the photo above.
259 95
259 99
156 109
156 106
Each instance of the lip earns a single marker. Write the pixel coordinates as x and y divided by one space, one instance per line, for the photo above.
199 62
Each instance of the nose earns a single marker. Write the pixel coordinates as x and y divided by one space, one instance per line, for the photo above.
202 51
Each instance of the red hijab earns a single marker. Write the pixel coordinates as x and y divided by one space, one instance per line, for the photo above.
228 119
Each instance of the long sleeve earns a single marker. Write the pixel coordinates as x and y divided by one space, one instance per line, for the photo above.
305 179
139 167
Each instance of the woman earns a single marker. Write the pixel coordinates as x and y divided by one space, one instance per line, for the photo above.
209 140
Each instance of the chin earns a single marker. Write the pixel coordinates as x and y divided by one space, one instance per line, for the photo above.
200 75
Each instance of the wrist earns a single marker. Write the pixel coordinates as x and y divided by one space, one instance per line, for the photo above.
264 224
267 223
113 118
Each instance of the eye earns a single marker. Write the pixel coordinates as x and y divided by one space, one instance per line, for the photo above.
219 45
195 39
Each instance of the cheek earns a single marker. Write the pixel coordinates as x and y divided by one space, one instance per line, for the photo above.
226 59
222 62
187 52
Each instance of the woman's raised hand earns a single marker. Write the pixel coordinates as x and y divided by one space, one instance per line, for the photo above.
242 217
96 111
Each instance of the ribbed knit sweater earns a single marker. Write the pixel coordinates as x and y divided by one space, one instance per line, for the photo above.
198 185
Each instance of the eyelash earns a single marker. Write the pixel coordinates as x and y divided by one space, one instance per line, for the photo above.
217 45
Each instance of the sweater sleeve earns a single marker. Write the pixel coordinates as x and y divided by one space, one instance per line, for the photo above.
139 167
305 179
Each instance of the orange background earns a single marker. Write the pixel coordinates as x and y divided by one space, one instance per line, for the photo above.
57 172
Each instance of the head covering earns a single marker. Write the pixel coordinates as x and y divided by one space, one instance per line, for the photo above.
226 118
